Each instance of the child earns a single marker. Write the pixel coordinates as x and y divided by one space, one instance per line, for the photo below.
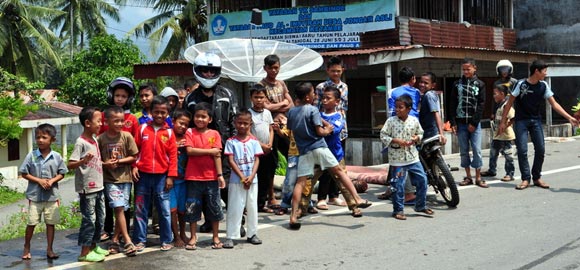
171 96
155 169
330 101
278 103
242 151
43 168
121 92
181 119
204 175
430 113
468 97
181 93
118 151
400 134
262 128
86 160
146 94
501 141
308 129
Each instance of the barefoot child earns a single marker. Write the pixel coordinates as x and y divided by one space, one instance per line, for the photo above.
118 151
178 193
43 168
243 151
204 175
86 161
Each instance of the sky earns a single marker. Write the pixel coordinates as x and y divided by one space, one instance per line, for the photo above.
130 17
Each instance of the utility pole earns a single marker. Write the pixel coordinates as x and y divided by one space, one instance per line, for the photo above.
71 30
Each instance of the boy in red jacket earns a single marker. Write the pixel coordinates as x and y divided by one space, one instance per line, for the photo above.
155 169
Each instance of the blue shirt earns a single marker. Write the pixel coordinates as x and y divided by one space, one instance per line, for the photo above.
245 154
44 168
333 140
411 91
146 118
429 105
529 99
303 120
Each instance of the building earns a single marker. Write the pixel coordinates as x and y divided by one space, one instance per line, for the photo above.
376 38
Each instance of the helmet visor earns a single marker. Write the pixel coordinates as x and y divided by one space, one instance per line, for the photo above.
208 72
504 69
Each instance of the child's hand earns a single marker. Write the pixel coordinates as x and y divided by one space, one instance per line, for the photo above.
168 183
88 157
221 182
111 164
45 184
135 174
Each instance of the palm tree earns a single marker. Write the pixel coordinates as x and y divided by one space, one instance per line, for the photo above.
25 41
87 18
185 20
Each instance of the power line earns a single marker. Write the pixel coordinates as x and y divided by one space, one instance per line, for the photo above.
125 32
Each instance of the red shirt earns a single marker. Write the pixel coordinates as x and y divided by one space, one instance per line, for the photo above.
202 168
157 150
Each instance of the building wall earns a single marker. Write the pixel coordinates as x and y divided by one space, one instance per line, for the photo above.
549 27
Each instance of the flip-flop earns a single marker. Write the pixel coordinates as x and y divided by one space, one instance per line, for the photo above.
218 245
54 256
27 257
364 204
191 246
322 205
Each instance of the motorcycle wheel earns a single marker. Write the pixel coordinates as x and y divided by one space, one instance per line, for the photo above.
445 182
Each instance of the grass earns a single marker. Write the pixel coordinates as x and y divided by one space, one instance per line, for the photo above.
70 217
9 196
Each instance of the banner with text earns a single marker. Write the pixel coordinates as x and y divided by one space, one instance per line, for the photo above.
316 27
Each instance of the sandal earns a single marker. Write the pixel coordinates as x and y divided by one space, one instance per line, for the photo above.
364 204
507 178
265 209
525 184
295 226
400 216
191 246
217 245
27 256
281 211
130 250
356 213
337 202
312 210
386 195
466 181
51 256
105 237
427 211
140 247
166 247
481 183
114 248
540 183
321 205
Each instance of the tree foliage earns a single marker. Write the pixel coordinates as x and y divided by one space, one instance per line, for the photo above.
184 20
13 109
91 70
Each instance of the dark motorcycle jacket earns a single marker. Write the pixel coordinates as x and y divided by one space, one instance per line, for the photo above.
467 102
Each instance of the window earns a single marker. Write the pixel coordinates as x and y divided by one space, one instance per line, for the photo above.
13 149
487 12
442 10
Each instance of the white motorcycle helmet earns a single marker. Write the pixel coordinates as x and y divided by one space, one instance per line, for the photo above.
504 66
205 62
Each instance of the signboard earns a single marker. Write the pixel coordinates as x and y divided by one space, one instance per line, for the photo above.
315 27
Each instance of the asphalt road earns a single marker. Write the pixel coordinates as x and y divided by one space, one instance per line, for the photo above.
494 228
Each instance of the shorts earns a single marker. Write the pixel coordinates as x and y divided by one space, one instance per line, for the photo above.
203 195
177 196
320 156
118 195
49 209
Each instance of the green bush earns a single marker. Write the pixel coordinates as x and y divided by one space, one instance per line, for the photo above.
8 196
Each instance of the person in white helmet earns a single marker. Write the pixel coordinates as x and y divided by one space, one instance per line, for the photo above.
505 70
207 69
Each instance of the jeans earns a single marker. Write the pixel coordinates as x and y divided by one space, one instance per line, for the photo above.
505 148
289 182
148 186
418 179
467 139
93 211
536 133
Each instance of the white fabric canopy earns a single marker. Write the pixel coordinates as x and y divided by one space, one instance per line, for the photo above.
243 59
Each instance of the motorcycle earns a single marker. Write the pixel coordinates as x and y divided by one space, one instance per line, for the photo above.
438 172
